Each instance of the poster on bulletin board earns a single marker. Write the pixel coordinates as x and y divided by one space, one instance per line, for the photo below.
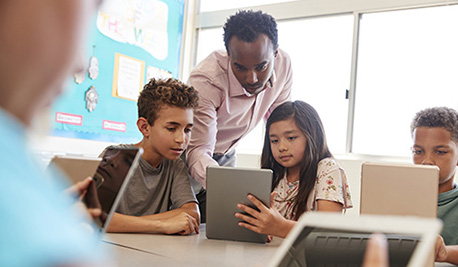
132 41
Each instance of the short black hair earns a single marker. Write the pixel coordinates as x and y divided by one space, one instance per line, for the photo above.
247 25
440 117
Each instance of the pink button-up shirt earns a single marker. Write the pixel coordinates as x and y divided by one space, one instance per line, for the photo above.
227 112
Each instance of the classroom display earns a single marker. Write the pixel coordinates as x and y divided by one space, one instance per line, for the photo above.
132 41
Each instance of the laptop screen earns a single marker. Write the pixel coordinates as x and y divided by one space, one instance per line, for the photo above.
331 247
109 181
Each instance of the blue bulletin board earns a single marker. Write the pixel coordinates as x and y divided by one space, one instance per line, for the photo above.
132 40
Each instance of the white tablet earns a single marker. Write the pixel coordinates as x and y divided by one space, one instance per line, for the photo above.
331 239
76 168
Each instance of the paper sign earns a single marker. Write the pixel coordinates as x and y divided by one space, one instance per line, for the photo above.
114 126
128 77
69 118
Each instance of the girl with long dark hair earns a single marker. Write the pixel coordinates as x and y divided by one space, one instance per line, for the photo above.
306 177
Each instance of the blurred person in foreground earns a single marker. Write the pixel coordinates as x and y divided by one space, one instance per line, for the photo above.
41 225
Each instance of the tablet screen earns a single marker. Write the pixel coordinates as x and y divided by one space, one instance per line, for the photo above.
108 181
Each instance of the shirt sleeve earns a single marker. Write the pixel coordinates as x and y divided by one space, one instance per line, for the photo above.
203 137
42 228
182 192
332 184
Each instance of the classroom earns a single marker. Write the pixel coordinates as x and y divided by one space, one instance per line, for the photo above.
378 78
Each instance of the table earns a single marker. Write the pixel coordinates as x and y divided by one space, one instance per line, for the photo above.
191 250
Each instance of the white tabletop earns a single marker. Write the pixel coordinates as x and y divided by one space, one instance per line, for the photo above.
191 250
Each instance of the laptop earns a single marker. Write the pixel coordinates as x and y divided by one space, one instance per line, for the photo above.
226 187
388 189
331 239
109 182
76 168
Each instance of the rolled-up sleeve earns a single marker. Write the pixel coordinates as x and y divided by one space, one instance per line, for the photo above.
203 137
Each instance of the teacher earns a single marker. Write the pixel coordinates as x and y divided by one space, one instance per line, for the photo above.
237 89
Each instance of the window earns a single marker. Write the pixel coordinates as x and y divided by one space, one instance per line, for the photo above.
212 5
320 51
209 40
407 61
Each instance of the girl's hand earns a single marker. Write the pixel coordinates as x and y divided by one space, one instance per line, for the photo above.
265 221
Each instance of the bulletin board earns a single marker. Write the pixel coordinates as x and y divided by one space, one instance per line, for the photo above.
131 41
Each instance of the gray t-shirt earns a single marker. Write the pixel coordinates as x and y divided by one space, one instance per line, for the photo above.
447 211
156 190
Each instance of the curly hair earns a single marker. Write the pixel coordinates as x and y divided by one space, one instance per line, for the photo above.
247 25
157 93
442 117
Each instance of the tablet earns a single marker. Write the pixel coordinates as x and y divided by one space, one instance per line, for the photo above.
332 239
394 189
226 187
109 182
76 168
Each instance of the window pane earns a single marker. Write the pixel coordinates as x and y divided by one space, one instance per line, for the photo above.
408 60
209 40
320 51
212 5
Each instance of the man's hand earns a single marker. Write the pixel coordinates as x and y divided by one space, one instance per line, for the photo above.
181 223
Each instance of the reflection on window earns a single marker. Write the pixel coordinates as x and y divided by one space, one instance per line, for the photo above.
212 5
320 51
408 60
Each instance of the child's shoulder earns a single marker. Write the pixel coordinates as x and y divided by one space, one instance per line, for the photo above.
174 165
327 165
327 162
127 146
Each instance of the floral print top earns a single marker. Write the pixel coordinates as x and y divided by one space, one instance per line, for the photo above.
331 184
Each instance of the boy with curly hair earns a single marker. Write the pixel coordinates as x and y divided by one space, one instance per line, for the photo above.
435 136
159 197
